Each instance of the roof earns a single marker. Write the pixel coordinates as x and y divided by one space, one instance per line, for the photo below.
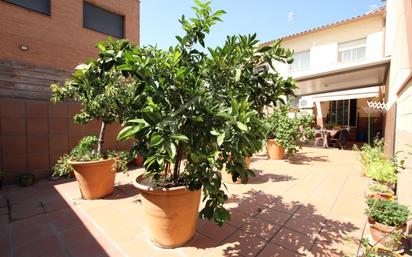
378 11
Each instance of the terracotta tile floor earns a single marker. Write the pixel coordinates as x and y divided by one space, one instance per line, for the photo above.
312 207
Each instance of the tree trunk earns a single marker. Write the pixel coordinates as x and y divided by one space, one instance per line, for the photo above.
178 160
101 138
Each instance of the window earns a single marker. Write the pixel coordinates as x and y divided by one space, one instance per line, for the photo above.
343 112
98 19
40 6
352 50
301 61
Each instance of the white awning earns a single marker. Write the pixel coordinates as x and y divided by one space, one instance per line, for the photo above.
367 74
367 92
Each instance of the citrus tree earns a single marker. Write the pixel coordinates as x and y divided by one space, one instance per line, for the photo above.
202 106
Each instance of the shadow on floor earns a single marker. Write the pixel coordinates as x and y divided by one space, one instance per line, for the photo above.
270 226
39 221
304 159
262 177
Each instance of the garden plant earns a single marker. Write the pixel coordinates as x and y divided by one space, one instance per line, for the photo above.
198 109
289 132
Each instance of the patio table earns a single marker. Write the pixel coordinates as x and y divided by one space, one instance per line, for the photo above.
325 133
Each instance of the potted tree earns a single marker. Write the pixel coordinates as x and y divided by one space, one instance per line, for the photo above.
286 134
185 125
102 91
387 221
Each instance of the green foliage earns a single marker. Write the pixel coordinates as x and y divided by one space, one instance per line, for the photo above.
377 165
85 151
100 87
201 107
389 213
289 132
374 251
379 188
26 180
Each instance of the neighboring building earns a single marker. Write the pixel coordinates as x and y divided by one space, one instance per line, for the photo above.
42 42
340 66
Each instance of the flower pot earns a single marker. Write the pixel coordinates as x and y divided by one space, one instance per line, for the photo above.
379 233
95 178
385 196
139 160
227 178
171 213
274 151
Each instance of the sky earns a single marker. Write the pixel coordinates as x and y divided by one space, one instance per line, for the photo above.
269 19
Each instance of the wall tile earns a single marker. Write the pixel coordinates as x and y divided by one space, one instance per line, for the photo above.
14 163
37 144
59 110
38 161
58 126
58 143
37 109
13 145
11 126
37 126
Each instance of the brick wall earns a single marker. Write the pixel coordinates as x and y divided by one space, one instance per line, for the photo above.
35 133
59 40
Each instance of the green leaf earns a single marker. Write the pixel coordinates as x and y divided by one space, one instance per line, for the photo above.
237 75
128 132
156 139
241 126
171 149
221 215
220 139
179 137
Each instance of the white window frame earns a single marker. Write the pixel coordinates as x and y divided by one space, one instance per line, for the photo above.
351 49
298 67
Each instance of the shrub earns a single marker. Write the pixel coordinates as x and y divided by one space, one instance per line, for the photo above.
377 165
389 213
379 188
85 151
289 132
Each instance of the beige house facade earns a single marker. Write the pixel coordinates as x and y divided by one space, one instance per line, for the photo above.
357 73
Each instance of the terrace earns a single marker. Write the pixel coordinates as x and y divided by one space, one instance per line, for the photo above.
312 207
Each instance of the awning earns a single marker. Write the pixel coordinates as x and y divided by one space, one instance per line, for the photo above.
367 92
366 74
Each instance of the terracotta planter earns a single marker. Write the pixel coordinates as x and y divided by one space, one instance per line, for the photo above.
171 214
379 233
384 196
139 160
227 178
95 178
274 151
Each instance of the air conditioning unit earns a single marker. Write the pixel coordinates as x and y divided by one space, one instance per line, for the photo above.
305 103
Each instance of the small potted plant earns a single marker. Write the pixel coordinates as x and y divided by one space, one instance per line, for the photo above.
193 118
387 221
380 191
286 133
102 91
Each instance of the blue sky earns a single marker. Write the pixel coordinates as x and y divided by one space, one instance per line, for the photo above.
270 19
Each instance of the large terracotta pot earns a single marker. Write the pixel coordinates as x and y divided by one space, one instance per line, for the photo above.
379 233
227 178
95 178
274 151
171 213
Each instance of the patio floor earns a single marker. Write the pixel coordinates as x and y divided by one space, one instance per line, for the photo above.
313 207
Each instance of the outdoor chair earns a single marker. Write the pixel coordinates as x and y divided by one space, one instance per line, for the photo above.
318 137
341 138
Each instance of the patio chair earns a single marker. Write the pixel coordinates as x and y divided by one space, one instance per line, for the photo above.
341 138
318 137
